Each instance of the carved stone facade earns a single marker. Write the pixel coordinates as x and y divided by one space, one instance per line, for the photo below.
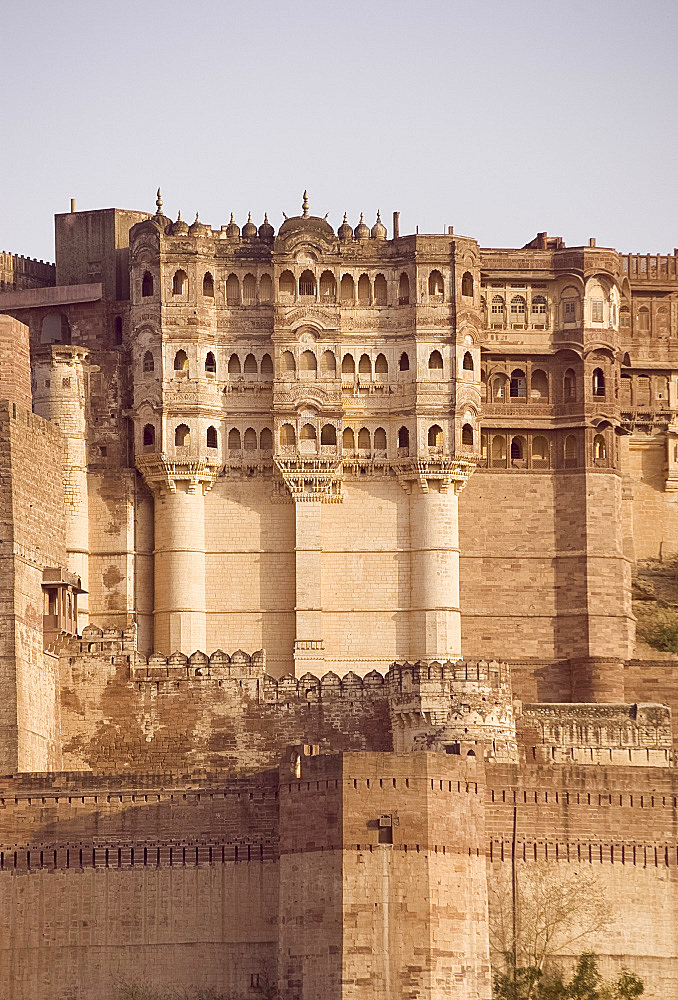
363 458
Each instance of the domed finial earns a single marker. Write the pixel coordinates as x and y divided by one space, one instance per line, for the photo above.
304 205
179 216
249 216
158 203
196 217
361 216
345 217
266 222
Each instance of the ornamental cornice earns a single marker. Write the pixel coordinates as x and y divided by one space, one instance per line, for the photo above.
450 473
161 474
311 480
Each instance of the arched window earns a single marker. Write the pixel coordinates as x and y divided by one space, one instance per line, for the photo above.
267 365
380 440
597 310
403 438
498 450
250 365
467 364
250 439
286 285
569 385
328 363
381 366
404 362
625 317
149 437
539 386
599 450
365 365
347 290
328 434
467 284
234 439
308 434
404 290
234 365
182 436
287 364
147 284
436 288
598 382
307 283
540 450
348 365
348 439
232 290
249 290
148 364
308 365
211 437
210 363
208 285
643 318
181 361
570 450
517 449
287 436
435 361
662 325
497 311
55 329
570 304
467 435
518 308
435 436
364 443
118 330
328 287
498 386
266 439
380 291
265 288
518 387
180 283
364 290
643 397
539 310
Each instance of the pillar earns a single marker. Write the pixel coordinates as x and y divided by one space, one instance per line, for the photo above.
60 398
308 641
179 610
435 621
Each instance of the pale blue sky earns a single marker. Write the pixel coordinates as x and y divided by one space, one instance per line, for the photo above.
498 118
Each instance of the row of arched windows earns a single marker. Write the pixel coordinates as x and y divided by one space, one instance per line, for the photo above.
308 364
362 440
367 291
513 450
514 387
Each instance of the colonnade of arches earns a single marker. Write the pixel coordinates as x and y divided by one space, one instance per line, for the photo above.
529 450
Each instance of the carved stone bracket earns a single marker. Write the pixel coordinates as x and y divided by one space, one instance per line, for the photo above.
451 473
162 474
311 479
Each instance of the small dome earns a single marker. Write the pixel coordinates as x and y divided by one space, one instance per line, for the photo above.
306 223
233 229
199 228
344 231
361 231
378 229
249 230
179 228
266 230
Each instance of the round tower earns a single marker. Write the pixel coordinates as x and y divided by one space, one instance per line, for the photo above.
60 372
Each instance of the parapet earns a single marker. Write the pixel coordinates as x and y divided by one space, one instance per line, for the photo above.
638 734
218 665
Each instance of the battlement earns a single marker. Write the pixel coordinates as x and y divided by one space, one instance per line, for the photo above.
650 266
18 272
638 734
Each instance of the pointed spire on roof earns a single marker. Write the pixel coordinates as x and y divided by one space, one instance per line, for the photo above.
158 203
304 205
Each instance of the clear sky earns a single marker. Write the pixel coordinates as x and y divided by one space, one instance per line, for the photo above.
500 118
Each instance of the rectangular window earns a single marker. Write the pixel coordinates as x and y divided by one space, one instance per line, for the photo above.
596 310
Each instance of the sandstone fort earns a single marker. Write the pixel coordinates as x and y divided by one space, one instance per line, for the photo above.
316 617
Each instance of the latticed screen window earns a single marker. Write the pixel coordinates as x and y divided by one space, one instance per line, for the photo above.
596 310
